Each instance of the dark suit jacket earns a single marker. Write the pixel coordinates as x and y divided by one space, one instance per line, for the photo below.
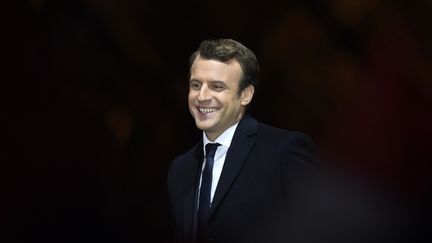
254 189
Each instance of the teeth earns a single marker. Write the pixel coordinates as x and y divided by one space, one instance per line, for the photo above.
207 110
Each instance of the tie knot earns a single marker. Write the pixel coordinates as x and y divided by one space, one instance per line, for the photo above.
211 149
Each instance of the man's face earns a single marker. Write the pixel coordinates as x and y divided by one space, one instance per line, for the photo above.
213 95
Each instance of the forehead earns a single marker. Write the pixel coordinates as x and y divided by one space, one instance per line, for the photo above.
208 69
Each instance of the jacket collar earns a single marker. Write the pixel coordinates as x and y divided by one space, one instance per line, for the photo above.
241 145
237 153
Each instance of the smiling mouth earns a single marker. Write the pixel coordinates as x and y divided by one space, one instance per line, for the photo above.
207 109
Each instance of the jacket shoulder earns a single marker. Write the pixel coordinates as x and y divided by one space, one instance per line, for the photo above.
294 145
186 156
183 164
278 133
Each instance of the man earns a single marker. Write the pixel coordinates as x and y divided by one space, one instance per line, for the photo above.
235 184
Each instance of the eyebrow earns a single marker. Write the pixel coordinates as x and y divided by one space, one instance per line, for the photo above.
211 81
218 82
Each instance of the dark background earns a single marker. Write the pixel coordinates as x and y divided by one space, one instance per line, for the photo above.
94 103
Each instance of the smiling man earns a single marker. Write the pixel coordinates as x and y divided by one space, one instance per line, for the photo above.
215 99
235 184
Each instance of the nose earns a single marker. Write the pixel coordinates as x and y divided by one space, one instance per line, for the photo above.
204 94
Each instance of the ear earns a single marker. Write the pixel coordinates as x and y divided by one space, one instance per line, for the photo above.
247 95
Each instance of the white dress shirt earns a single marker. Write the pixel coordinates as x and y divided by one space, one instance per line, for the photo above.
225 141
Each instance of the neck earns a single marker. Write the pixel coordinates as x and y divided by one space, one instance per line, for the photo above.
212 136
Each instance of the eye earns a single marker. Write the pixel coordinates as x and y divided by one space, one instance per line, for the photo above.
218 86
195 85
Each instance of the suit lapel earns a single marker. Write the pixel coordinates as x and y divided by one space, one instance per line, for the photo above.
191 198
237 154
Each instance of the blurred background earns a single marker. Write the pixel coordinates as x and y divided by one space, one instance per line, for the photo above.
94 103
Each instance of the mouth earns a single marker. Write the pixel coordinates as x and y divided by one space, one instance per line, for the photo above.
205 110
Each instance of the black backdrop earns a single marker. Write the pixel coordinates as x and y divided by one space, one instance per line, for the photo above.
94 103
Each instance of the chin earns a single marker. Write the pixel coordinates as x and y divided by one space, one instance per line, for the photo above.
204 125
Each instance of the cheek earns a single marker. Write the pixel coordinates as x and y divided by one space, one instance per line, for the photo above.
191 97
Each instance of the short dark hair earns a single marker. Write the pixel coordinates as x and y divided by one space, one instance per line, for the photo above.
224 50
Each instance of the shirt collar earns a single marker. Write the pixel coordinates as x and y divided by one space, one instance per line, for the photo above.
224 139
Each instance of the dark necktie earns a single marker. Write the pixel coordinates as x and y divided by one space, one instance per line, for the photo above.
206 182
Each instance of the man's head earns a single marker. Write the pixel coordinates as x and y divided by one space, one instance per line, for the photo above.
223 79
